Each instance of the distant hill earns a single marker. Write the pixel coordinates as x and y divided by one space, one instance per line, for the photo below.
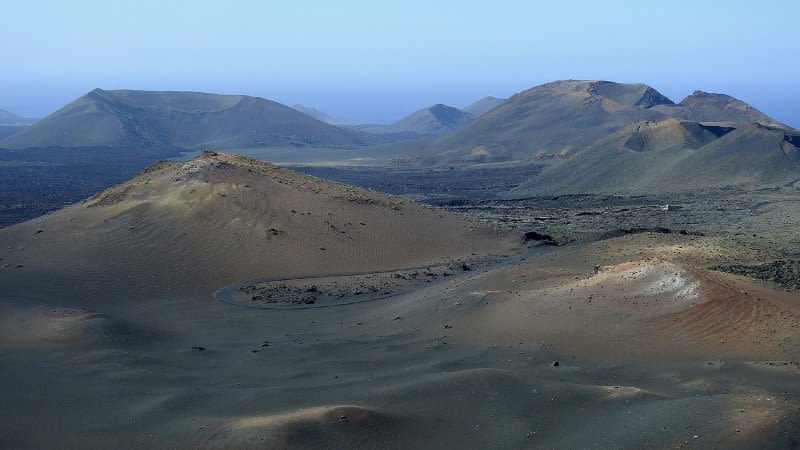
185 120
11 123
433 120
321 116
551 120
483 105
427 122
673 155
706 107
9 118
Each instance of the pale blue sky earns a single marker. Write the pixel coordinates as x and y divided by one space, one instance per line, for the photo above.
376 61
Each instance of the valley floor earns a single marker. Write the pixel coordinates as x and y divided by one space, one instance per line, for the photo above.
629 342
766 217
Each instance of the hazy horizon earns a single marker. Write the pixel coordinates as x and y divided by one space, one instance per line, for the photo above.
377 63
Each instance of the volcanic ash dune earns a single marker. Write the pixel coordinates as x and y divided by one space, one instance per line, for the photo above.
46 327
657 307
221 218
318 427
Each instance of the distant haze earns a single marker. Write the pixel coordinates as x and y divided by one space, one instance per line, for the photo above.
370 62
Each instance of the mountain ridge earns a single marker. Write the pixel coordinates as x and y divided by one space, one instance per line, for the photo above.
321 116
560 118
176 119
484 105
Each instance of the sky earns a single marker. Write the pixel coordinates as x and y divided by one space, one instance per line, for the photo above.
374 62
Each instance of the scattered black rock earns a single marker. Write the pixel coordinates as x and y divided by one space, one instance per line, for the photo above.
785 273
466 267
638 230
538 237
198 348
554 364
646 230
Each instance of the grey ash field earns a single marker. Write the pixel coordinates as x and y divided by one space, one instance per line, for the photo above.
423 291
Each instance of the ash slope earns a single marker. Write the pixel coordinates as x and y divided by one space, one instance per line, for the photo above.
195 226
319 115
136 119
483 105
675 156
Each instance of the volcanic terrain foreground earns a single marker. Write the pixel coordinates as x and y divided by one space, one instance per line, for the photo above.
219 218
362 320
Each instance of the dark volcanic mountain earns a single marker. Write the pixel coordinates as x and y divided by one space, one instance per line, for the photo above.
483 105
433 120
188 120
561 118
672 156
554 119
706 107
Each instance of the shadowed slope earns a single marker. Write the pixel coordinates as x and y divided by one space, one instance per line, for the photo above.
675 156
